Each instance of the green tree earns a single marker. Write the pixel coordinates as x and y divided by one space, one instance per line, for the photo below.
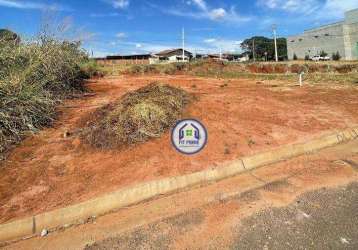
336 56
264 44
323 53
295 57
7 36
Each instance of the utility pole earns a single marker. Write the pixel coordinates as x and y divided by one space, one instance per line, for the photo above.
221 53
220 49
253 49
274 27
183 36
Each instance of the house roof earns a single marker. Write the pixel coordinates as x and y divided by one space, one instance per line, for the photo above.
170 52
134 56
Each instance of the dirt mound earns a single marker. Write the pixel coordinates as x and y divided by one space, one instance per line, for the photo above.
137 116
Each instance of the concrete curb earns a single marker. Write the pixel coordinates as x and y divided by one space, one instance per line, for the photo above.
131 195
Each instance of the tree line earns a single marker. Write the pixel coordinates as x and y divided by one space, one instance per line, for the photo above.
263 48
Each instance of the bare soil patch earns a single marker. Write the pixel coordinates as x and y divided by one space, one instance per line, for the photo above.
54 168
189 219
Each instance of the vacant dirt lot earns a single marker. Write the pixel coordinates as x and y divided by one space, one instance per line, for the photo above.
54 168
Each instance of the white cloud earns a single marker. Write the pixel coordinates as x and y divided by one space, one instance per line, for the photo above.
336 8
206 12
298 6
226 45
327 9
113 14
210 40
121 35
272 4
118 4
123 47
31 5
121 4
201 4
99 53
217 13
210 45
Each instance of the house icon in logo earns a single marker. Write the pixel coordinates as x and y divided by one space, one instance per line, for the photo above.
189 136
189 131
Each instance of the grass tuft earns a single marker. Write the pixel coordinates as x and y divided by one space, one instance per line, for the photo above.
136 117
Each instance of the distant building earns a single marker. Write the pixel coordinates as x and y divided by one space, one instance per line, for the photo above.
171 55
229 57
339 37
244 57
125 59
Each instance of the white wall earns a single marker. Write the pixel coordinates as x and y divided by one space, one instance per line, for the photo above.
351 32
312 42
341 37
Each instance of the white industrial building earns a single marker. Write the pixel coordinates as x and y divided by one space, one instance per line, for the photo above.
339 37
170 56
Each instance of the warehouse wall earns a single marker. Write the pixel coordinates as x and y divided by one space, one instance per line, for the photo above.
328 38
341 37
351 31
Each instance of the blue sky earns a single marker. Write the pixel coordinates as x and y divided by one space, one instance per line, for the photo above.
141 26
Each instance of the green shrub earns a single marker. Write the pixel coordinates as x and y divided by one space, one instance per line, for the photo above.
336 56
168 69
135 69
34 76
91 69
9 37
150 68
295 57
323 53
180 66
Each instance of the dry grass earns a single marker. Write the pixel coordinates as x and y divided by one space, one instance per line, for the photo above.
136 117
34 77
342 72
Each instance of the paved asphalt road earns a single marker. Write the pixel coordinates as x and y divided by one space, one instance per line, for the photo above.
322 219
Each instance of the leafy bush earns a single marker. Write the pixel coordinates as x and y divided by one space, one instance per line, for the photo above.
150 68
323 53
168 69
9 37
307 57
180 66
135 69
336 56
91 69
34 76
165 68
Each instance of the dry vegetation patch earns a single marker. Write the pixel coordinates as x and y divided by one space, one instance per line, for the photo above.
34 77
136 117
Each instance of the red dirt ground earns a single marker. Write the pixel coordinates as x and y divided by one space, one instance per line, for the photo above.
49 170
209 217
